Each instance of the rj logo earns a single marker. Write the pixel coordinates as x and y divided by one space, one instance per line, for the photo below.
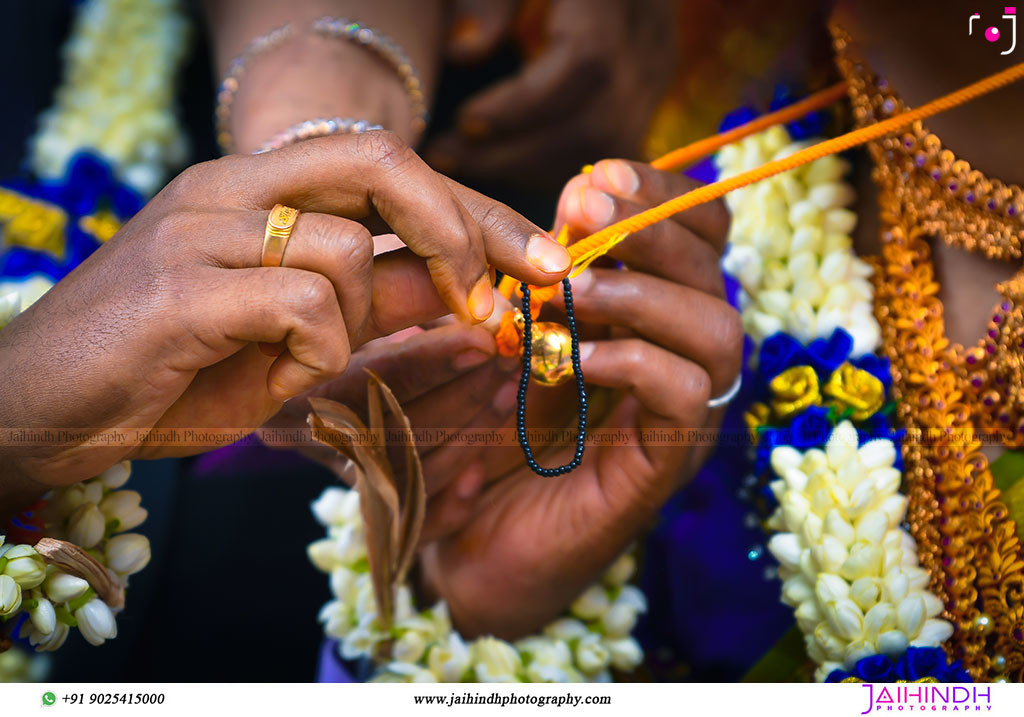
993 33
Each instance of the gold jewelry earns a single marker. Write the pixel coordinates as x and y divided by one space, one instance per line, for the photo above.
279 230
965 535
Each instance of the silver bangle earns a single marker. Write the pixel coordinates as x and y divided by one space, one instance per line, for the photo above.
729 395
378 43
319 127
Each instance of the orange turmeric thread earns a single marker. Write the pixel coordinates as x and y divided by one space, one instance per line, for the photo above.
589 248
684 156
597 244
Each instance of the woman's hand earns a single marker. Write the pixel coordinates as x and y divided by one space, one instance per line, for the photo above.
162 326
591 91
662 338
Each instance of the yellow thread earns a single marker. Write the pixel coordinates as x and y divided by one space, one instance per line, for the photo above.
600 242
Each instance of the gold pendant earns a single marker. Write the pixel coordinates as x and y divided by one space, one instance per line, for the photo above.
551 352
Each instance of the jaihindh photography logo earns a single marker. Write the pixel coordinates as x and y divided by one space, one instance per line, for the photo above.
928 698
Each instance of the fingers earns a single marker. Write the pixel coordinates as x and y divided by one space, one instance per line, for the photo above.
573 66
548 88
270 305
421 364
668 391
546 257
646 186
453 507
340 249
686 321
667 249
358 175
477 27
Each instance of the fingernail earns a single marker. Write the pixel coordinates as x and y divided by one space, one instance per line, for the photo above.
481 299
547 255
505 397
586 349
582 282
597 206
470 358
621 177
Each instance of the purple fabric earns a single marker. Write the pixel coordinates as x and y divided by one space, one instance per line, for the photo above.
330 668
245 457
714 611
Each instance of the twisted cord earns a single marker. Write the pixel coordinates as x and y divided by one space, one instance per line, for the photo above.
679 158
597 244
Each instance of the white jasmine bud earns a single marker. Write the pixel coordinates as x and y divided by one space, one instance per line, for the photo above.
621 570
25 566
495 660
625 653
117 475
10 596
128 553
591 654
892 643
43 616
840 221
450 659
409 647
123 507
96 622
61 587
592 604
86 526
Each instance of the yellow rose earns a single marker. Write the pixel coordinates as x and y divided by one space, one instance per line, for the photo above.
794 389
756 417
856 389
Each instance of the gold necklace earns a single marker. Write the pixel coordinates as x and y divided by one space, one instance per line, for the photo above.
965 535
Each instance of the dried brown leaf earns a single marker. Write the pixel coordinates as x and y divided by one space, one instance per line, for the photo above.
378 498
76 561
414 499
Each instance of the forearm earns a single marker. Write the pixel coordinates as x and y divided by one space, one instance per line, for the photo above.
310 76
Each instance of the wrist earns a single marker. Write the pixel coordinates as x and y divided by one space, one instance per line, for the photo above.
311 76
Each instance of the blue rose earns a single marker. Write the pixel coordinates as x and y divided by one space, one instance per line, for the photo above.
779 352
920 662
876 668
810 125
811 428
828 355
737 117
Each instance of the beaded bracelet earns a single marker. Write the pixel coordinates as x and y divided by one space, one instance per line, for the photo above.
389 51
319 127
382 45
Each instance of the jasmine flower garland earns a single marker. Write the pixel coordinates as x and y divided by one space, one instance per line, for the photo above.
583 646
117 98
849 569
94 515
790 247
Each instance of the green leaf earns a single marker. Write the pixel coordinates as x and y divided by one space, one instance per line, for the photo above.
1007 469
785 662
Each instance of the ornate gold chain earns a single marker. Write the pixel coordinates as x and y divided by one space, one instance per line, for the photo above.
965 535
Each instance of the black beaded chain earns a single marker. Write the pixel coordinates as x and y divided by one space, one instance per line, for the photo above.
524 382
